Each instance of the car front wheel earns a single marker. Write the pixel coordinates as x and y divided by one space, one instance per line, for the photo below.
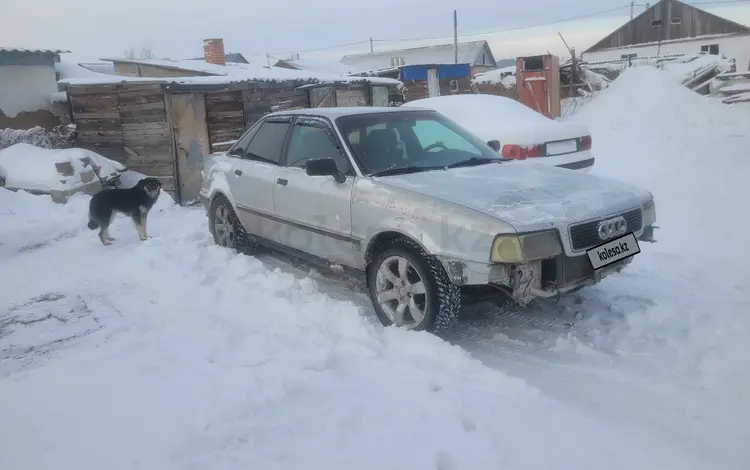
411 289
227 228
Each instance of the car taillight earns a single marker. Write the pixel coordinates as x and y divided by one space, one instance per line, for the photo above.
516 152
585 142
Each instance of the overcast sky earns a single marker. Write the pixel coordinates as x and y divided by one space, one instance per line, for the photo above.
174 28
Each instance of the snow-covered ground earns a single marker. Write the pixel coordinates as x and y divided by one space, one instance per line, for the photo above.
174 353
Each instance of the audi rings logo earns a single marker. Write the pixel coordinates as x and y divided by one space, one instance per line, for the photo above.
612 227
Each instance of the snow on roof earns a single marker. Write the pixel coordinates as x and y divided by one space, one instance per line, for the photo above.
438 54
70 69
663 43
222 74
32 51
691 66
189 65
321 66
738 88
274 74
99 67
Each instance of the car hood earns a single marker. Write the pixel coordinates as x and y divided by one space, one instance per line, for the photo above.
529 195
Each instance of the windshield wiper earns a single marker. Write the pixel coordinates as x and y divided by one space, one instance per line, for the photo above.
406 170
472 161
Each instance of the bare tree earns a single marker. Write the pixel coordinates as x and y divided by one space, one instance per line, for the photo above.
146 53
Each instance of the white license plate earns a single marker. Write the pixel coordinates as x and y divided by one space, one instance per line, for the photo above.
614 251
564 146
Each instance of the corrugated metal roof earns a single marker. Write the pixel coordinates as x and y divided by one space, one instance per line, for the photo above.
438 54
33 51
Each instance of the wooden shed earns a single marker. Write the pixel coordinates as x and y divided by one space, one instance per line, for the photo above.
165 128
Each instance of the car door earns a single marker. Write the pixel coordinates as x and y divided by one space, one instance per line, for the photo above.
316 210
256 164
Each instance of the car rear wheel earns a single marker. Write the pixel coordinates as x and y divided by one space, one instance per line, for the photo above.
411 289
227 229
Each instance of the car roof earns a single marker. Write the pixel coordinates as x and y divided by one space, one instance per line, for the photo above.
333 113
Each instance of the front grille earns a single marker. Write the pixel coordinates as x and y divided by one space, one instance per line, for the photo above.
584 235
564 271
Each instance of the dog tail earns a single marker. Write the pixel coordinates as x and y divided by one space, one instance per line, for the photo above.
93 224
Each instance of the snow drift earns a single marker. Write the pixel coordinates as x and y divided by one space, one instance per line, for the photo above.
685 302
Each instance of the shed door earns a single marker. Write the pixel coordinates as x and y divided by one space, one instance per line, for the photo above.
433 83
188 115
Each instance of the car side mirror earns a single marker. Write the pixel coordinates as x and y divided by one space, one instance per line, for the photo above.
324 167
494 144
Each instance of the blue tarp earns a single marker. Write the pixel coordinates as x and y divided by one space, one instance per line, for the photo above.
445 71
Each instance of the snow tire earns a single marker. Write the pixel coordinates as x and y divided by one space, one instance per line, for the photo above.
444 297
242 242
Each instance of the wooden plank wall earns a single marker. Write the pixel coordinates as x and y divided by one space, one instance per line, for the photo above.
224 116
128 125
261 97
146 135
353 95
496 89
97 117
417 89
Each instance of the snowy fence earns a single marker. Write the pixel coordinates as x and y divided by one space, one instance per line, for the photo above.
60 137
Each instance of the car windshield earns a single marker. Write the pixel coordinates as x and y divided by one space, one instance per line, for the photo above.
411 141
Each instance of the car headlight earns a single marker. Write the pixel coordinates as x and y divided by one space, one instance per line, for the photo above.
525 247
649 213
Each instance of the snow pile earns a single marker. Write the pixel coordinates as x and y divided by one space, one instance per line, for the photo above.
683 307
596 80
37 169
60 137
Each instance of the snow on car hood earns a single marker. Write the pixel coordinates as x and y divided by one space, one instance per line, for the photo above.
529 196
496 117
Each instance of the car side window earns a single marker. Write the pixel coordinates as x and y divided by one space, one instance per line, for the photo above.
268 142
240 148
311 140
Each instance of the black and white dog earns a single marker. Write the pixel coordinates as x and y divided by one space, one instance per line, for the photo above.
134 202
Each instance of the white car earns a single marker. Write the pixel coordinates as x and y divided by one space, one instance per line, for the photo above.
420 209
516 131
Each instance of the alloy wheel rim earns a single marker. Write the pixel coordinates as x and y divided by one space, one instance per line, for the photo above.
223 227
401 292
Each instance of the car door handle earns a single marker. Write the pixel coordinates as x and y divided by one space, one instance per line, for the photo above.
281 181
238 172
